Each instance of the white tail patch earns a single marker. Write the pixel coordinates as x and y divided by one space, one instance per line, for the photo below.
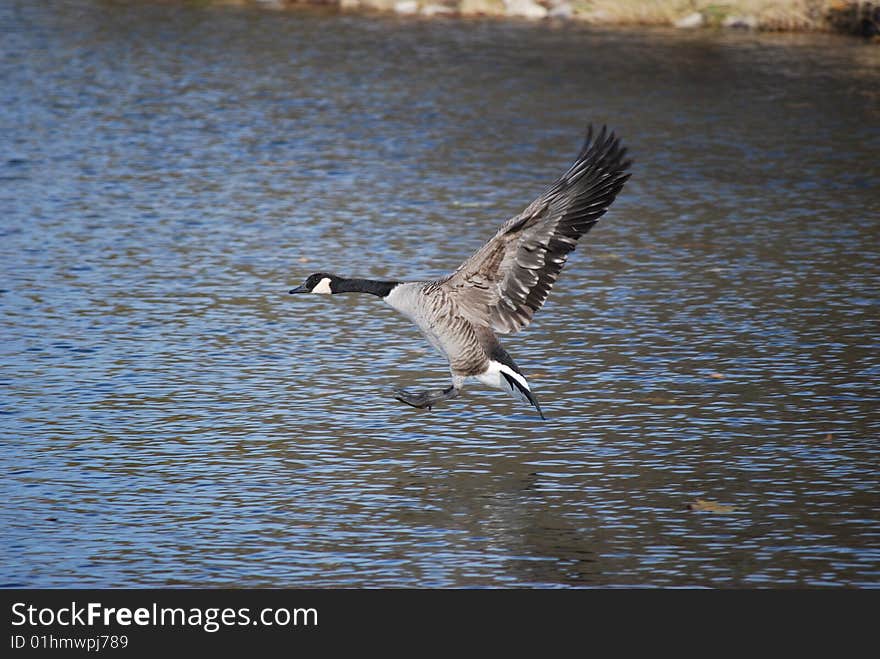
493 377
501 376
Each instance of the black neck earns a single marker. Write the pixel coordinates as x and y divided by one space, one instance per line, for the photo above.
380 288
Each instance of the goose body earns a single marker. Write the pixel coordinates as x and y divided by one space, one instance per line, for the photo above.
499 288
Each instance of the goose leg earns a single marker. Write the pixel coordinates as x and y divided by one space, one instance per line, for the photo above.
426 399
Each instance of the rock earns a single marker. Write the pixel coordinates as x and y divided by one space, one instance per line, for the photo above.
740 22
596 16
437 10
525 9
690 21
562 11
485 7
382 5
406 7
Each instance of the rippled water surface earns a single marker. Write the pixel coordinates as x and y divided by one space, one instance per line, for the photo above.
170 416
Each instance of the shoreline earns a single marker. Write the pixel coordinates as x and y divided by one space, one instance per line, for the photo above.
841 16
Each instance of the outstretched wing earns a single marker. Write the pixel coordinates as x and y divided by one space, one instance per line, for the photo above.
507 280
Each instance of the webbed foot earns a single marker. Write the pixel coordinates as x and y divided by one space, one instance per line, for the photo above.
425 399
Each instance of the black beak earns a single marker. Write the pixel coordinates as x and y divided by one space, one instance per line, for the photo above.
299 289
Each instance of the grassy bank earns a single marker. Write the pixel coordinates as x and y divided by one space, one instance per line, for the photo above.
856 17
777 15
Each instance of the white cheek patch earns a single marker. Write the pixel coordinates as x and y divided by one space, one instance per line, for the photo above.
323 287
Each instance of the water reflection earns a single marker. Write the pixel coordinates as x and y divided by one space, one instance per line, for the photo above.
171 416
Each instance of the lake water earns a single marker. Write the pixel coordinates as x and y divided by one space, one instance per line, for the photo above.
171 416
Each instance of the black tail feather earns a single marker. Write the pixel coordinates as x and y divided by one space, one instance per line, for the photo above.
521 392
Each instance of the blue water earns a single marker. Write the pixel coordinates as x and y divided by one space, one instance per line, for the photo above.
170 416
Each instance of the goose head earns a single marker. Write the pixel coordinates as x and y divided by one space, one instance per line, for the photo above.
319 282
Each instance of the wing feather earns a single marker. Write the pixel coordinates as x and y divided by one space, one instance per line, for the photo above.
508 279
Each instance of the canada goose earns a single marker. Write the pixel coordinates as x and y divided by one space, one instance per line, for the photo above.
500 287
